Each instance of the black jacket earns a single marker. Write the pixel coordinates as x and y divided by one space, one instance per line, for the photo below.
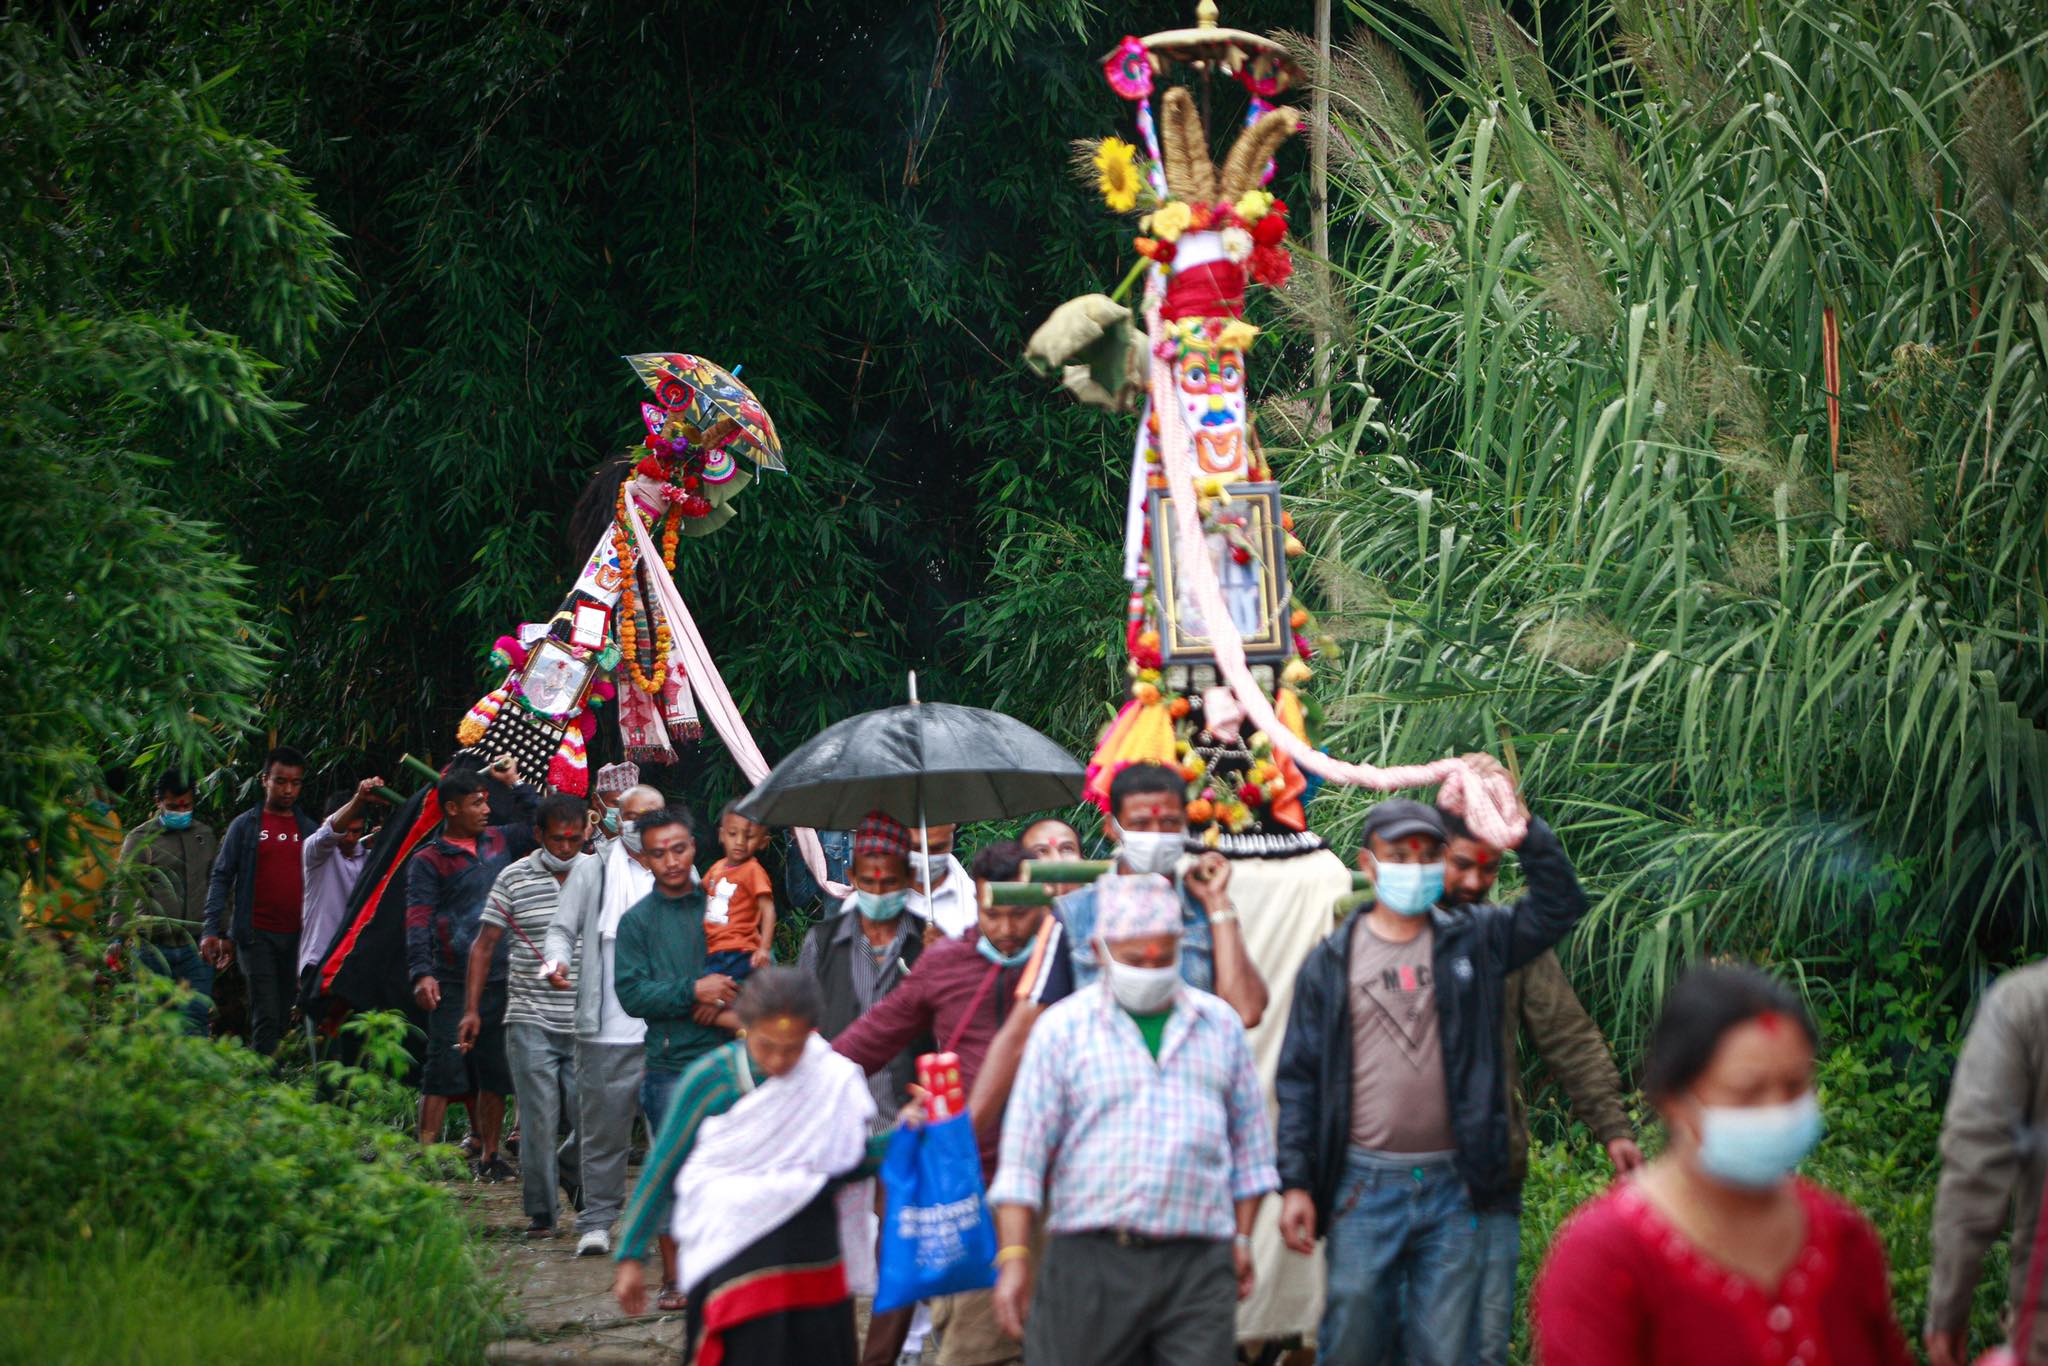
234 869
1474 950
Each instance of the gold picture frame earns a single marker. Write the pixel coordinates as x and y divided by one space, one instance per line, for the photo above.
1255 592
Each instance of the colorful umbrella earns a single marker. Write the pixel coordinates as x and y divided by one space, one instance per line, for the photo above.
710 400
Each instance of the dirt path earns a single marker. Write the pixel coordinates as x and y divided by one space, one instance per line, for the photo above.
562 1307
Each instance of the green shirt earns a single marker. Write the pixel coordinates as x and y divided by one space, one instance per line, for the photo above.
714 1084
656 963
1153 1028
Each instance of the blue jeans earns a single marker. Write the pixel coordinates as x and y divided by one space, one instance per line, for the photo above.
1493 1308
1403 1256
655 1090
181 963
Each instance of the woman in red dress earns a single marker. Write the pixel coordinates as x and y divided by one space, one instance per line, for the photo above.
1715 1254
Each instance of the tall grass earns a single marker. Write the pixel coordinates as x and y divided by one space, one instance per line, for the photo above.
1690 452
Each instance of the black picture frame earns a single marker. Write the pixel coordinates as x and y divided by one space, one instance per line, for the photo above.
1257 591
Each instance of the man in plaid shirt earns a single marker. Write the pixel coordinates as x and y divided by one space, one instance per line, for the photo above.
1139 1116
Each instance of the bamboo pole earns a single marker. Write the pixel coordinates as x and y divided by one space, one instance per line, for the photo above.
1319 202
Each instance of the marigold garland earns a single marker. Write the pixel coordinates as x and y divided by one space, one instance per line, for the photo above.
629 604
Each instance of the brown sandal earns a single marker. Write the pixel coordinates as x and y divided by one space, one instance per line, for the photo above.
671 1300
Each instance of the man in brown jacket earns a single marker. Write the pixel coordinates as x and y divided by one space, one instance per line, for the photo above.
1537 998
1992 1159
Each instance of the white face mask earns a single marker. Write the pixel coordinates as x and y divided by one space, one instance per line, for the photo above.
1149 851
1143 991
555 864
927 868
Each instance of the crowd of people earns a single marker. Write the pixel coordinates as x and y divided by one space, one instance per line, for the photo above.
572 955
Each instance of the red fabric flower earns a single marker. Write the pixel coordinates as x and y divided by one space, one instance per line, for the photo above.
1251 794
1201 218
651 467
694 505
1129 69
1271 266
1240 554
1268 231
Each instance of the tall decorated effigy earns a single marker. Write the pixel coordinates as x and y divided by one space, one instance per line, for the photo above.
1217 647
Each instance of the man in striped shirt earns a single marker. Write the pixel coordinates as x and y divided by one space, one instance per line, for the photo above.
538 1008
1138 1123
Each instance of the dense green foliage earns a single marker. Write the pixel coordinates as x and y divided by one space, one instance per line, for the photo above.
156 268
174 1155
1583 503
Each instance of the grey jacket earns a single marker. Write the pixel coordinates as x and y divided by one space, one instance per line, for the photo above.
1992 1155
177 867
576 920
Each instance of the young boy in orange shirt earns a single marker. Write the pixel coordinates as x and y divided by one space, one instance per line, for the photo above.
739 901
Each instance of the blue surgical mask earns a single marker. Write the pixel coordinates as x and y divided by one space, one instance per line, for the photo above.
610 821
1757 1146
1407 888
1001 959
881 907
176 820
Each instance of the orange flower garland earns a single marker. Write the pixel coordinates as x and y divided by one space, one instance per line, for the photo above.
629 603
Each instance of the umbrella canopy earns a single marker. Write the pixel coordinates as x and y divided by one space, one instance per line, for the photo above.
711 402
923 762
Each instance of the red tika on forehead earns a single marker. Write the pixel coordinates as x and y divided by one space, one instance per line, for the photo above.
1770 1022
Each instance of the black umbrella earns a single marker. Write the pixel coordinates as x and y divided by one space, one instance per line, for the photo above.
927 761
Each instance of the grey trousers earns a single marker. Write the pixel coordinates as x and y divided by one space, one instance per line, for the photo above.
543 1065
607 1097
1166 1304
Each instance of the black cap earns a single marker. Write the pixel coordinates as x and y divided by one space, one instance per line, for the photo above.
1398 817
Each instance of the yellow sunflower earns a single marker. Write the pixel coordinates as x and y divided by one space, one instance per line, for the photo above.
1116 161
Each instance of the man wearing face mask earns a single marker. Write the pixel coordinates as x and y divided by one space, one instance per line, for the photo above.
175 852
1393 1103
860 955
1138 1129
610 1044
532 1006
1148 820
949 910
963 991
607 789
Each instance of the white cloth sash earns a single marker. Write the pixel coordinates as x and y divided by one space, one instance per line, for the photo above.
755 1166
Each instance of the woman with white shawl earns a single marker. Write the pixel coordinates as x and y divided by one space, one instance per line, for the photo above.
759 1172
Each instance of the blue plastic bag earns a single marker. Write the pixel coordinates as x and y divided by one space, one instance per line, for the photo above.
938 1237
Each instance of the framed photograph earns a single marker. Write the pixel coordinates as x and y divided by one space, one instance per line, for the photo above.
1245 543
588 625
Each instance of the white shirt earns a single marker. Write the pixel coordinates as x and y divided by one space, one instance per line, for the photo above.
952 906
614 1025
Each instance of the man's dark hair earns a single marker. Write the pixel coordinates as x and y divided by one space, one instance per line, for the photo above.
998 862
454 786
780 991
1709 1000
1139 780
1455 827
171 783
336 801
286 755
666 816
561 809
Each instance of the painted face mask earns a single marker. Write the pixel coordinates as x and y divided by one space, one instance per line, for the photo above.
1211 383
1757 1146
1408 888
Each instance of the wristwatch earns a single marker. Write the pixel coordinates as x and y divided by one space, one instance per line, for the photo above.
1243 1240
1228 917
